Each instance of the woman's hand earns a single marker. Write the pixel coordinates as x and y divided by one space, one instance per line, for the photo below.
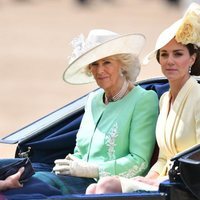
149 181
152 178
12 181
72 157
75 167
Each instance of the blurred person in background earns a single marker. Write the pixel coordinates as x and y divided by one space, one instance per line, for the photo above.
174 2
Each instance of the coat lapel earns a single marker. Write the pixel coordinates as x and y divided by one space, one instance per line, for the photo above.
174 117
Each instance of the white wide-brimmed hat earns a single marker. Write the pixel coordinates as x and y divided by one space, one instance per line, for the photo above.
99 44
186 30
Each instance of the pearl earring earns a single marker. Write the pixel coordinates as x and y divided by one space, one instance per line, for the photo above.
121 73
189 71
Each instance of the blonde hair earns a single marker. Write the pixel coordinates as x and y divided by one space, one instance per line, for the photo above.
130 66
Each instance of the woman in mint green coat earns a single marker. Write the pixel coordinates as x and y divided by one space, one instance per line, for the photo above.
117 132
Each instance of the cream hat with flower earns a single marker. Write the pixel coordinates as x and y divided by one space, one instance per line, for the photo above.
186 30
99 44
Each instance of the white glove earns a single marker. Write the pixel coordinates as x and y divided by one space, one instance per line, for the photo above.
72 157
75 167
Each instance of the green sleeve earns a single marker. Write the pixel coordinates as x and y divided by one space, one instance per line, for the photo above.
77 153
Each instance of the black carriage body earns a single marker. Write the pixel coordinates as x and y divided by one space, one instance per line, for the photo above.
53 137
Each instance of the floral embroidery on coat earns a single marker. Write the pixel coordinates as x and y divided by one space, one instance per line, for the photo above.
111 141
134 171
103 173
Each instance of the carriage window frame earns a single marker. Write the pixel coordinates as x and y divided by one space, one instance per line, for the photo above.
45 122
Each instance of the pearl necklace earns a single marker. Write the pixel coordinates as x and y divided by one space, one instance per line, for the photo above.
120 94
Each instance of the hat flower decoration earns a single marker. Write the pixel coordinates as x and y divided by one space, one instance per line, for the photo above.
99 43
185 30
80 45
189 31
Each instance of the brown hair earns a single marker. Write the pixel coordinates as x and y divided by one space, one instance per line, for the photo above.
193 49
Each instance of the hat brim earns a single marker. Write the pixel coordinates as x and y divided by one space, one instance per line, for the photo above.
165 37
124 44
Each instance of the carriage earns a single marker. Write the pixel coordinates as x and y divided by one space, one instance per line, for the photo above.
53 136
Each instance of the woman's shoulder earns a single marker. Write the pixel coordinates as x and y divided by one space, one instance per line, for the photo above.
195 93
196 85
95 96
143 96
194 89
146 93
96 93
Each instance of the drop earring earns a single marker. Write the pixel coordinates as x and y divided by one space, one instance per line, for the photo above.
189 71
88 71
121 72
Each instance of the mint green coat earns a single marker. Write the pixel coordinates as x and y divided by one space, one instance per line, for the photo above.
119 137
